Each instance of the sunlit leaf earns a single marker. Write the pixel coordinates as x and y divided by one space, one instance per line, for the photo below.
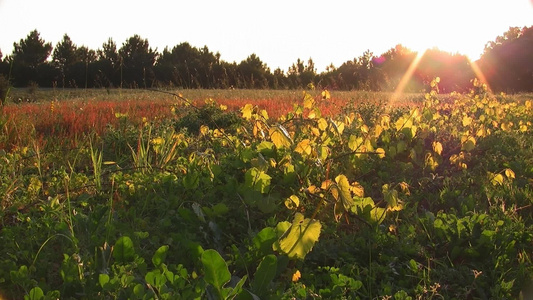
380 152
354 143
322 124
280 137
309 101
247 111
437 147
467 121
292 202
344 192
204 129
326 95
357 189
304 147
377 215
300 238
509 173
257 180
338 127
296 276
391 197
495 179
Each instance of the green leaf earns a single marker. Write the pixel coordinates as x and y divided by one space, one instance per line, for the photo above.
103 279
300 238
257 180
215 269
35 294
123 252
266 271
264 239
160 255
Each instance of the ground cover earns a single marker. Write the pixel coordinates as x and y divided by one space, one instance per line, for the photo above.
323 199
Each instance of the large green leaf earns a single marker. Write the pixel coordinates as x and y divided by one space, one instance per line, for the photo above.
266 271
257 180
299 238
123 251
160 255
215 269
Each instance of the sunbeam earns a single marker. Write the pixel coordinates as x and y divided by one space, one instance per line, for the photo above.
407 76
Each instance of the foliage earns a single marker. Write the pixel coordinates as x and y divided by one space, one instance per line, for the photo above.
429 201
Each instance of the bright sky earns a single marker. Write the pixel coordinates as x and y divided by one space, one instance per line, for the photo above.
279 32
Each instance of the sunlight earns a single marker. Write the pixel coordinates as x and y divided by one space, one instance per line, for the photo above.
414 64
479 74
407 76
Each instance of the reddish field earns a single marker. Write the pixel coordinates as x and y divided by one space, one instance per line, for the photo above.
69 118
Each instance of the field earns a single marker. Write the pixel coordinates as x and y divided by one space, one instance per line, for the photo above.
248 194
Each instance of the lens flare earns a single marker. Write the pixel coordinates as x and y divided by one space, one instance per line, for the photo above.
414 64
407 76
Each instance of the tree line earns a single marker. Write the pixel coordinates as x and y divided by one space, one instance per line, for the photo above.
507 64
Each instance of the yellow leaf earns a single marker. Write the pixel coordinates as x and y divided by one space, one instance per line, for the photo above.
223 107
326 95
384 121
364 129
247 111
509 173
437 147
296 276
354 143
322 124
299 238
309 101
357 189
381 152
343 186
377 131
204 129
467 121
495 179
292 202
280 137
304 147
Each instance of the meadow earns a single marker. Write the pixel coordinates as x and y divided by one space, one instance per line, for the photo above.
264 194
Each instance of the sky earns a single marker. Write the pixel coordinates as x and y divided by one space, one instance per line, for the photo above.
277 31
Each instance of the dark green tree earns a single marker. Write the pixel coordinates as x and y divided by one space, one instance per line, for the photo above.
64 56
107 65
253 72
137 62
30 60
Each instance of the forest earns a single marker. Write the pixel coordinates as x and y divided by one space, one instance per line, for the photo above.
507 63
